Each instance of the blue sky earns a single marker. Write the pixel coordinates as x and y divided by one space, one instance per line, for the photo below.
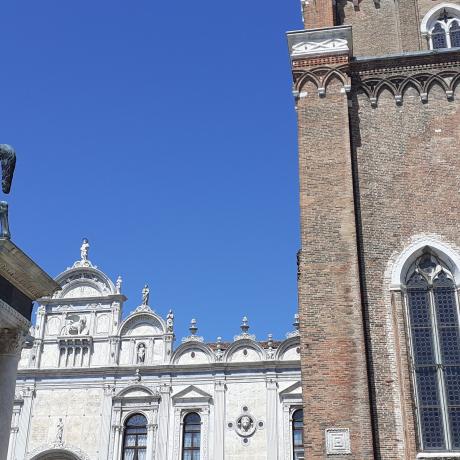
165 132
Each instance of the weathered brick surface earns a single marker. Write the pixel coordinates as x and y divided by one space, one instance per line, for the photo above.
334 374
409 176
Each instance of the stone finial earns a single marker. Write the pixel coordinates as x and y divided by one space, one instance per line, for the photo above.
118 284
193 327
193 330
296 325
296 322
244 330
270 351
145 295
219 350
245 325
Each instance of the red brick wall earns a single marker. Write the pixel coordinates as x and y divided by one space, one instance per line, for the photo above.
334 378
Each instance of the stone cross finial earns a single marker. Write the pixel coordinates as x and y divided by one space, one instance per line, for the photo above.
119 283
193 327
84 250
145 295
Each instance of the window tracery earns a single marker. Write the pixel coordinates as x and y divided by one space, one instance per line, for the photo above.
442 27
433 319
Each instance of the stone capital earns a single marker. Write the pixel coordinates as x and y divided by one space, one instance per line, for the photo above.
12 341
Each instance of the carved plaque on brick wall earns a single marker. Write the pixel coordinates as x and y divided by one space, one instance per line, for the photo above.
338 441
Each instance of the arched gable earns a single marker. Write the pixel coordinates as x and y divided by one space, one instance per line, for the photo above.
289 350
145 323
193 352
244 350
84 282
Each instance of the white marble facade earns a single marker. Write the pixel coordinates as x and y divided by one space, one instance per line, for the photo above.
89 370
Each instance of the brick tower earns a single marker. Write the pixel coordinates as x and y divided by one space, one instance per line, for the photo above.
376 86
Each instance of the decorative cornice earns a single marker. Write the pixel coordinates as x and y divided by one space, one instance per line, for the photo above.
23 272
53 449
11 318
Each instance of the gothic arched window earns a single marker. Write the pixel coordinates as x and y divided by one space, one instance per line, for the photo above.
442 28
297 435
435 341
191 437
135 438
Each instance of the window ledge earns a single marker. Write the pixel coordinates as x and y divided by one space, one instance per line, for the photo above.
435 455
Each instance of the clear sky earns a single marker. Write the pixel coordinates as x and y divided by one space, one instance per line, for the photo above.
165 132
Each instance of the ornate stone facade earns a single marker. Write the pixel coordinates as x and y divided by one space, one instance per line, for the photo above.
90 370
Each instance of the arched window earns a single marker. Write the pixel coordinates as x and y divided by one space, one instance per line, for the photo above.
442 27
435 341
135 438
191 437
297 435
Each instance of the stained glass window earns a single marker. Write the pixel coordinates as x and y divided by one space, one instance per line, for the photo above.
438 36
191 443
435 337
297 434
455 34
135 438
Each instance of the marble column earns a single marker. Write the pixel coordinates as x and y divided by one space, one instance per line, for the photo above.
219 419
163 422
272 419
11 342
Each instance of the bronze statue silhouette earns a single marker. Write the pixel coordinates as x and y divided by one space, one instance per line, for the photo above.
8 162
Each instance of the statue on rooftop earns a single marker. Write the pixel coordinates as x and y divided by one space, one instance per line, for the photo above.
84 250
8 161
145 295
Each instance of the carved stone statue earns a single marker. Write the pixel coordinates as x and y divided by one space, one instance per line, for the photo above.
59 440
77 326
118 285
141 353
145 295
84 250
170 321
8 161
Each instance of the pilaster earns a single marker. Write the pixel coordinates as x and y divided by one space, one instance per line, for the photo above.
27 395
272 419
219 419
163 421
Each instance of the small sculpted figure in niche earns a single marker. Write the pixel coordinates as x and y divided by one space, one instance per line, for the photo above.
141 353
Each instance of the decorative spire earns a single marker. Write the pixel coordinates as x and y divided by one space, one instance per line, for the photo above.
219 350
84 253
244 330
145 295
118 284
296 325
270 351
193 330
